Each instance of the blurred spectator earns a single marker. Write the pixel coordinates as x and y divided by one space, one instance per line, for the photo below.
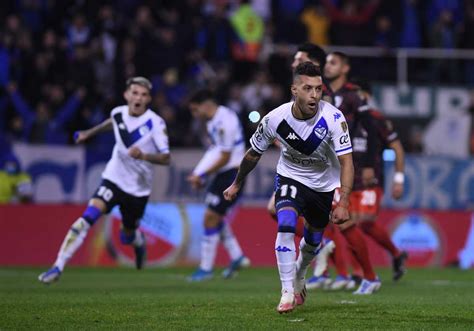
350 21
443 35
249 32
317 24
42 125
15 184
467 40
411 34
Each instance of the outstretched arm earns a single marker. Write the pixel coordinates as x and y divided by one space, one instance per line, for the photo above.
81 136
249 162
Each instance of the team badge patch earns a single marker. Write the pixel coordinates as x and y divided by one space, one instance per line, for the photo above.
320 132
344 126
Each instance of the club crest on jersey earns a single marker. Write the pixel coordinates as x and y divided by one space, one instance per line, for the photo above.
320 131
143 130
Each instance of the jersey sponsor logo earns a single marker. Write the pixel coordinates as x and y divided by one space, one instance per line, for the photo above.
311 143
337 116
344 139
292 136
306 162
129 138
258 135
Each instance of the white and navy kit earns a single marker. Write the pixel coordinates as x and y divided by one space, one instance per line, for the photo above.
225 135
127 181
308 170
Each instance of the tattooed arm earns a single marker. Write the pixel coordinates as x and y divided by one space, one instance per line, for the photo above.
249 162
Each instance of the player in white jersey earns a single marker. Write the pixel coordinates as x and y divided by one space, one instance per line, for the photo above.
221 160
140 142
316 158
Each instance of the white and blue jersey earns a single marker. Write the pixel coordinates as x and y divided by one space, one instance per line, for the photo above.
309 148
148 133
225 135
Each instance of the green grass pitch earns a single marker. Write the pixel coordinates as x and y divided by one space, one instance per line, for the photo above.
162 299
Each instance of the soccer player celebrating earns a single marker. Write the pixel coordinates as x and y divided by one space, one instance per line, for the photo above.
221 161
140 142
315 159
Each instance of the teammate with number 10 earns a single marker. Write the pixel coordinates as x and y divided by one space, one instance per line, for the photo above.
141 141
316 157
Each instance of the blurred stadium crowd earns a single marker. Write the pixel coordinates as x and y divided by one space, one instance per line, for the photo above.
63 64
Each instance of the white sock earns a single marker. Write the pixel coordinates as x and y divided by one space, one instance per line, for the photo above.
73 240
307 254
230 242
209 250
138 241
286 254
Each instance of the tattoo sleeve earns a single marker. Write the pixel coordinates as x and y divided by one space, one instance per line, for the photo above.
249 162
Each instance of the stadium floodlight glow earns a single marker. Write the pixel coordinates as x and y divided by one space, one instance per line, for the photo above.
254 116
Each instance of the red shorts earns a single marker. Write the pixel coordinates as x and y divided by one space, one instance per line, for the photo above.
365 202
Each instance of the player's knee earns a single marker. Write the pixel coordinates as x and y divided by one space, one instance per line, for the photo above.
287 219
313 238
127 236
92 214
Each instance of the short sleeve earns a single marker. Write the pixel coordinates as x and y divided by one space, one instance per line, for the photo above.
340 137
263 136
224 138
160 137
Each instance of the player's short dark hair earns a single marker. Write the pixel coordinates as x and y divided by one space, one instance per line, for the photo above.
315 53
342 56
201 96
138 80
307 69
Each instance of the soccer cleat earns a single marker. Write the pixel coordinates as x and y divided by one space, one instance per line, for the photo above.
398 264
300 291
351 285
287 302
234 266
323 257
318 282
200 275
140 253
368 287
52 275
300 296
339 283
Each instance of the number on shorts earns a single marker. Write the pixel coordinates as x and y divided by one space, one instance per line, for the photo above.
105 193
284 191
368 198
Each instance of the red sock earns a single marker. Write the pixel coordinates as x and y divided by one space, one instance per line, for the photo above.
356 267
380 235
337 256
355 239
299 227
